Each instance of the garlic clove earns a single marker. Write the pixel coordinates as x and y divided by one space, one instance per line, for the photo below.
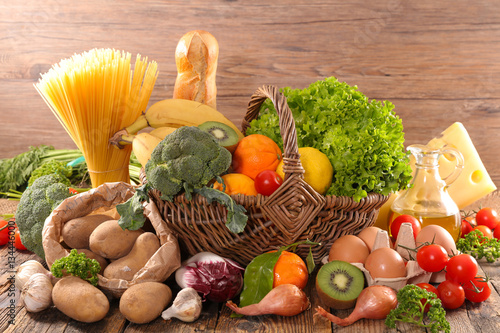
187 306
27 269
36 294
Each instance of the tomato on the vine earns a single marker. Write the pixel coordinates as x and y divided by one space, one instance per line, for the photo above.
484 230
432 257
428 287
496 232
398 221
461 268
487 217
465 228
267 181
451 294
477 290
17 241
4 232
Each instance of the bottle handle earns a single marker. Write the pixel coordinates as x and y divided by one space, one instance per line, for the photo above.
459 164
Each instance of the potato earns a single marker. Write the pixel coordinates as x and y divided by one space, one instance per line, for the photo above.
125 268
110 241
76 232
145 301
79 300
102 261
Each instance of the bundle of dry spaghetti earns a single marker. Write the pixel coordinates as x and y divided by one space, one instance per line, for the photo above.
95 94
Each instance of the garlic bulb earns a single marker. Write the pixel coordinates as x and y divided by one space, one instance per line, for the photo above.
36 294
26 270
186 306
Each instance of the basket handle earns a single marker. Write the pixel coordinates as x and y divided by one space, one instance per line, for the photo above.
291 156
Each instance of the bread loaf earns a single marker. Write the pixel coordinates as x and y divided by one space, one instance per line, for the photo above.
196 58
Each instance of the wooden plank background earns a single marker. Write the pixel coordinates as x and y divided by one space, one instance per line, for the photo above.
437 61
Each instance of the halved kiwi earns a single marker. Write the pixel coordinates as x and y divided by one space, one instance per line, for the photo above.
225 135
339 284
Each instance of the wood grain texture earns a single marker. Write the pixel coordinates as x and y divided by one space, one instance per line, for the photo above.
438 63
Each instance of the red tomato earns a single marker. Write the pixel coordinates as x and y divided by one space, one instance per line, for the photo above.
73 191
17 242
485 230
396 225
451 294
465 228
477 290
4 232
487 217
432 258
461 268
428 287
267 181
496 232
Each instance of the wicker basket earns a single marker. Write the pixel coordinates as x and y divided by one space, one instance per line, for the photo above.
295 212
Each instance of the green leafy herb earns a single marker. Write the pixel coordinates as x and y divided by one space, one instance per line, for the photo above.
132 211
362 139
411 310
77 264
479 246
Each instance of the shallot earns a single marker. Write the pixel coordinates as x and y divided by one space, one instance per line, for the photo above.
284 300
374 302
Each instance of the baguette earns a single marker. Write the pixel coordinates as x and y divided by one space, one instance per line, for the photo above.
196 58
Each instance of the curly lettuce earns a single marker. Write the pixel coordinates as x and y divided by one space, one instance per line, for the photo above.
364 140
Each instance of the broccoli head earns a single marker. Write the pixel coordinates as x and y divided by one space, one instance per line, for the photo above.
186 159
36 204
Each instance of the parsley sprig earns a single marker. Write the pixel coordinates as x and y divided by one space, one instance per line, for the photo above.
479 246
411 310
77 264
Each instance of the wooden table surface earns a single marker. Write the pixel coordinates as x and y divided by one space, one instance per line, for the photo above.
437 61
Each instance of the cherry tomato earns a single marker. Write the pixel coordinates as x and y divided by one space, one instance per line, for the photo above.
487 217
465 228
451 294
496 232
73 191
396 225
432 258
461 268
477 290
428 287
17 242
4 232
485 230
267 181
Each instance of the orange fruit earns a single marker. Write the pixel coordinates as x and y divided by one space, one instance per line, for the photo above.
237 183
256 153
290 269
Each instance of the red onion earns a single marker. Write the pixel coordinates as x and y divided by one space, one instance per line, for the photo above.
216 278
374 302
284 300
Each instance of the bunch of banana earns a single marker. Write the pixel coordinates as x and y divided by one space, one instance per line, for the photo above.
174 113
144 143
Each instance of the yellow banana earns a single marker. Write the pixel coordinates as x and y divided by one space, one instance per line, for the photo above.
143 145
162 132
176 113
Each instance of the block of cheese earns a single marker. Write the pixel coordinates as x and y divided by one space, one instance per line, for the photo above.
474 181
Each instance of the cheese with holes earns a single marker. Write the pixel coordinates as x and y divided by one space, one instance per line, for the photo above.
474 181
472 184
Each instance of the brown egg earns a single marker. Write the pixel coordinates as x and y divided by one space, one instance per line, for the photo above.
349 248
439 235
368 236
385 262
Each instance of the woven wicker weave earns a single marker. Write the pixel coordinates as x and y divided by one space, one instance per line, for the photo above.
295 212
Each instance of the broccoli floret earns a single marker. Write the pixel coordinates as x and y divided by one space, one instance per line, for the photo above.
50 167
186 159
35 205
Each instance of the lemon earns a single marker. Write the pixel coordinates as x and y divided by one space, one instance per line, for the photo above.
317 167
